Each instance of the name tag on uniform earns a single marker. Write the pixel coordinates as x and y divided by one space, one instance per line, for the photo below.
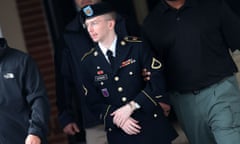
101 77
127 62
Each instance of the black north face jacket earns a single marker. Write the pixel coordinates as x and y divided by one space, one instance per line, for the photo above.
24 106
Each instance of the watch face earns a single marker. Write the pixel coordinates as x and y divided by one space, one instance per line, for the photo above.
137 106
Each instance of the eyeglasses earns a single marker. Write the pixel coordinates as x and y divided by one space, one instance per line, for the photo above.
95 22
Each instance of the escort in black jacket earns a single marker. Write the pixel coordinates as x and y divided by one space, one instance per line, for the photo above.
119 85
74 44
24 107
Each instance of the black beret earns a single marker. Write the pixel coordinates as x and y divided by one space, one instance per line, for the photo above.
97 9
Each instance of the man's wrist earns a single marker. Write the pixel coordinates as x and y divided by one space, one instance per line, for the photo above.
134 106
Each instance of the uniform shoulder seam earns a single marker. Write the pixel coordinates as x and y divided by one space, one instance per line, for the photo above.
132 39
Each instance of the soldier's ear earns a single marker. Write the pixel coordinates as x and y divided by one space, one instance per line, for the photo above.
111 24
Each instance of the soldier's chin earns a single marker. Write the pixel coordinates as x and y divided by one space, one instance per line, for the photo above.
95 40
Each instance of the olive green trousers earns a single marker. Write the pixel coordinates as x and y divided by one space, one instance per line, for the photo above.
212 115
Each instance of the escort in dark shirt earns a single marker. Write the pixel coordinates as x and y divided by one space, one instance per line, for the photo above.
193 42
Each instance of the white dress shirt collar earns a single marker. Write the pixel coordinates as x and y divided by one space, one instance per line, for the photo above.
112 48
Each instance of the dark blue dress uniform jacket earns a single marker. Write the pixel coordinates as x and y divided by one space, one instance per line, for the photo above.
74 44
107 89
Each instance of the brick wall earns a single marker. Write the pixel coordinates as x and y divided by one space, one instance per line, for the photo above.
39 46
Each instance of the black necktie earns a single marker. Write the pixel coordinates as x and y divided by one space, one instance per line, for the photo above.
110 57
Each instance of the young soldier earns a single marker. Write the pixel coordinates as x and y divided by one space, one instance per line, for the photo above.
114 88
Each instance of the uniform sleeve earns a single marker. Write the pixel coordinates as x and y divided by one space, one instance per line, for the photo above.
155 89
37 100
95 102
65 88
230 25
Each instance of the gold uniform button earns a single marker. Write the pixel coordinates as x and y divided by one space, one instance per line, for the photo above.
155 115
109 129
124 99
120 89
123 43
130 73
95 53
116 78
